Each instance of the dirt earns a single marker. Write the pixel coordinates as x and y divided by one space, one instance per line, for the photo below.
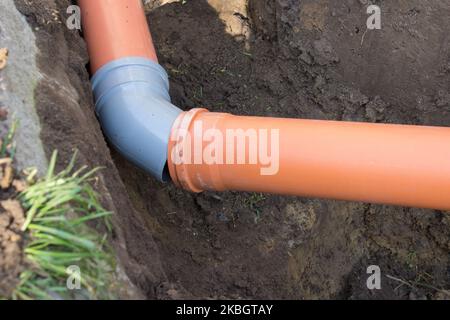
12 262
283 58
12 217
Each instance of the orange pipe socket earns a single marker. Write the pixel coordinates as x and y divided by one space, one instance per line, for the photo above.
115 29
378 163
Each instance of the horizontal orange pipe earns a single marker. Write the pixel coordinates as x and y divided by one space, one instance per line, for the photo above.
115 29
378 163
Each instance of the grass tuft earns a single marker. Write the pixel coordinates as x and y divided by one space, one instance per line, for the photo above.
58 207
254 203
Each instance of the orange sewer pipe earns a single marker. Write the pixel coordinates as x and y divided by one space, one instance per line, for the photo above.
115 29
379 163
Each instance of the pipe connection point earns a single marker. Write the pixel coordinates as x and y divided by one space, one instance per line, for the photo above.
133 105
193 175
180 172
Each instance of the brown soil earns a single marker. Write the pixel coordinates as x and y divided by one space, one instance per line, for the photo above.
12 217
290 58
11 242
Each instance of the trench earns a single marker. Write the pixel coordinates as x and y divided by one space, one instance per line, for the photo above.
244 58
284 58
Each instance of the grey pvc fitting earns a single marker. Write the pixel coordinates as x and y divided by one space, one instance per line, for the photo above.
133 105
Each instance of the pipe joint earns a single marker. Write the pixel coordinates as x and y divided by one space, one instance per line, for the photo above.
191 176
133 105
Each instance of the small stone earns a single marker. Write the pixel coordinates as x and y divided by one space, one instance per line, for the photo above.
19 185
3 57
7 178
15 210
222 217
5 221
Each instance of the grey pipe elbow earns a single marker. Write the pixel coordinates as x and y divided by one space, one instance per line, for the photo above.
133 105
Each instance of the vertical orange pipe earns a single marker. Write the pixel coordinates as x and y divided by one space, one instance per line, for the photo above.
115 29
379 163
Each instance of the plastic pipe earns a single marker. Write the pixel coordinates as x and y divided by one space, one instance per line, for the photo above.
131 89
392 164
115 29
378 163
